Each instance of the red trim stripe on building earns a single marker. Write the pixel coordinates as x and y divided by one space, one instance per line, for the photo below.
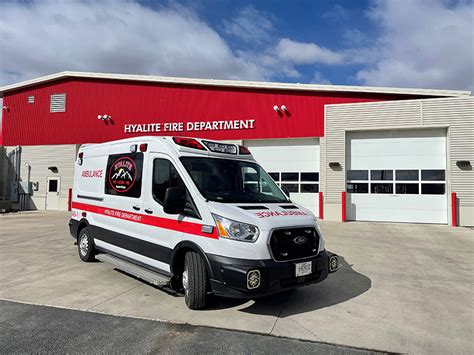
159 222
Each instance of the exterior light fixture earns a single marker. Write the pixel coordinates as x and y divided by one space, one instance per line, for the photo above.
284 108
463 163
275 108
334 165
104 117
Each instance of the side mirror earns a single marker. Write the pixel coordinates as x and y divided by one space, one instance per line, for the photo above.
175 200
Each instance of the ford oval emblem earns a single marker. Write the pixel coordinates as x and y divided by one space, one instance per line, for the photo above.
299 240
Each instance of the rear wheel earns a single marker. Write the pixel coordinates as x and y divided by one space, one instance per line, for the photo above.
194 281
85 245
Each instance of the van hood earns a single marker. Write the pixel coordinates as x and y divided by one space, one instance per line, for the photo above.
265 216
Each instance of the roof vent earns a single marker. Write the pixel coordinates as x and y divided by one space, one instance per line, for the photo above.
57 103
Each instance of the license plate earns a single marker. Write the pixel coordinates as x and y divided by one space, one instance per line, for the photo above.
303 269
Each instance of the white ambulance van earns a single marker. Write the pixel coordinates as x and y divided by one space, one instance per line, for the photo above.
196 216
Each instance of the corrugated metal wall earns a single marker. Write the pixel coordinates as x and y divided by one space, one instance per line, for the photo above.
456 114
145 103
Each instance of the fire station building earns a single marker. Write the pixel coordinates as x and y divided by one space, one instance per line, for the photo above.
345 152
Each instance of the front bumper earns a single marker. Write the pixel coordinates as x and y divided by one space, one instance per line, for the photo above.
229 275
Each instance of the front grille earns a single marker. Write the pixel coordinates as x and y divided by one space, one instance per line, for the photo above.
294 243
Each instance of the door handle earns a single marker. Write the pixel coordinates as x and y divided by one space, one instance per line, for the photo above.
147 210
136 208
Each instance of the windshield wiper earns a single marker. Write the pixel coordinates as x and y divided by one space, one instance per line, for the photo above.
216 195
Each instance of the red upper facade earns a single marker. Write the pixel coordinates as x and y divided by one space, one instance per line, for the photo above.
157 108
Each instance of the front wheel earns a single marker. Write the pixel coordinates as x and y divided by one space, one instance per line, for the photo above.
85 245
194 281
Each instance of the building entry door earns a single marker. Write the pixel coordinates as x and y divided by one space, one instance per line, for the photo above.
52 193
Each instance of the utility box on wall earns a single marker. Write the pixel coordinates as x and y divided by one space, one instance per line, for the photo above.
26 187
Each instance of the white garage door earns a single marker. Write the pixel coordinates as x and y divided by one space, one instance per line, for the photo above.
397 176
294 165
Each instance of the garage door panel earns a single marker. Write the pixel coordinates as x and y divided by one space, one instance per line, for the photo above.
430 209
290 156
419 162
396 150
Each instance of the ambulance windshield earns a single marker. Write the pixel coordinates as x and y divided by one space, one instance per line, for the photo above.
232 181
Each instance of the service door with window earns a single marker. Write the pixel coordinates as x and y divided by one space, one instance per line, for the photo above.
397 176
53 185
294 165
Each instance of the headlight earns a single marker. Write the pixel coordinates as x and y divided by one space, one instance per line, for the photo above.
231 229
322 245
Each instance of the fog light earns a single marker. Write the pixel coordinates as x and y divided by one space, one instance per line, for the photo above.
333 263
253 279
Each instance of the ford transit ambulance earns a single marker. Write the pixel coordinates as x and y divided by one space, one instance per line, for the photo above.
193 215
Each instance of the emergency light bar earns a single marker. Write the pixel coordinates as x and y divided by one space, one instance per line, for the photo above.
188 142
221 147
215 147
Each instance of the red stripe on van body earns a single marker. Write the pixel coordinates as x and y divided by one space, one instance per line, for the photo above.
160 222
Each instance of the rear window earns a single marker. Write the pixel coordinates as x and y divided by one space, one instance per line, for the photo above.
124 175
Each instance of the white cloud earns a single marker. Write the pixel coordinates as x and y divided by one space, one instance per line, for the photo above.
39 38
319 78
305 53
422 44
250 25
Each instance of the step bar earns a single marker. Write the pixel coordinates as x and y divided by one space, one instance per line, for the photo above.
142 273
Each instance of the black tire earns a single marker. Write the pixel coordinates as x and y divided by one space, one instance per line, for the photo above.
195 293
85 245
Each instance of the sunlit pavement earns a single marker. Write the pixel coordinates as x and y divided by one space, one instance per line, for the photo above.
402 288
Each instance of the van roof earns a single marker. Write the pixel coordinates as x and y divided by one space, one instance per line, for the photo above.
208 146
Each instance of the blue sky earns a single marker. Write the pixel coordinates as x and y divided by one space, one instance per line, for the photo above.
402 43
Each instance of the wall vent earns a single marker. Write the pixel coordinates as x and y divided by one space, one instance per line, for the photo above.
57 103
31 99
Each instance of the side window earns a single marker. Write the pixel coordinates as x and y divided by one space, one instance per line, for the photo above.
164 175
124 175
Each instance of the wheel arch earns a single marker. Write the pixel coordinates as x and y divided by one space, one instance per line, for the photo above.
177 257
82 224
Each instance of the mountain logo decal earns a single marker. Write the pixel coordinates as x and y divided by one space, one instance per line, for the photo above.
122 174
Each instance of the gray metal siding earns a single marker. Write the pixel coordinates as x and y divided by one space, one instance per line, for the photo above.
40 157
457 114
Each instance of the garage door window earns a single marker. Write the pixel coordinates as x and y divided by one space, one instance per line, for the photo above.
353 184
290 187
381 188
407 189
381 175
289 176
302 182
275 176
432 189
358 188
433 175
407 182
358 175
407 175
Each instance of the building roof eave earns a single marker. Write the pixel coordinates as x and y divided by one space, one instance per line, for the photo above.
235 84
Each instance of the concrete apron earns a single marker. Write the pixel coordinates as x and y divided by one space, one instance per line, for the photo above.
402 288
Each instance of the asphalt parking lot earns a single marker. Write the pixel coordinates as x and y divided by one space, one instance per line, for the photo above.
402 288
28 329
